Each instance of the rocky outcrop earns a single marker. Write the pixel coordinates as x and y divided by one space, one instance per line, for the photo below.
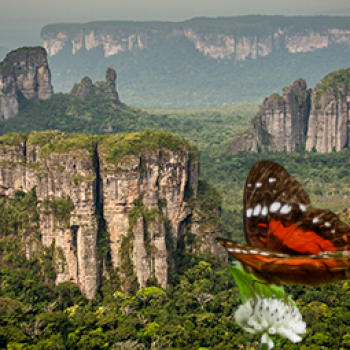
140 188
24 73
329 127
237 38
281 122
317 119
85 88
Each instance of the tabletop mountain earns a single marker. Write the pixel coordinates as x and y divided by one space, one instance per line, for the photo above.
119 203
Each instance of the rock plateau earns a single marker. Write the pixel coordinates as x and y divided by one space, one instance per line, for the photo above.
118 202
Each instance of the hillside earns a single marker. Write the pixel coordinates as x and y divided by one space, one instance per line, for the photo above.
200 62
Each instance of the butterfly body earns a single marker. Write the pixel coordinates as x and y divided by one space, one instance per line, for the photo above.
288 240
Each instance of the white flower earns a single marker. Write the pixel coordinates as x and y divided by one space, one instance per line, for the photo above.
270 317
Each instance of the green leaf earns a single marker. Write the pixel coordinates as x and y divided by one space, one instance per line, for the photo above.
250 289
264 347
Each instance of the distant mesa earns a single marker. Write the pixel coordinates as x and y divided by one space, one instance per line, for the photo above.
314 119
24 73
85 88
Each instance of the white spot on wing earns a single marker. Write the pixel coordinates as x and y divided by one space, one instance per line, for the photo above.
264 211
272 179
286 209
264 254
333 231
257 210
302 207
249 212
327 224
249 185
315 220
274 207
253 252
258 184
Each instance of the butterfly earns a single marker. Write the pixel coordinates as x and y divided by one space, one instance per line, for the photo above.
288 240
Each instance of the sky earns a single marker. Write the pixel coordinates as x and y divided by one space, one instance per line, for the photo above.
21 20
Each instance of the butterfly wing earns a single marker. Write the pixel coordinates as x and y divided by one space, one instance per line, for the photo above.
278 215
278 268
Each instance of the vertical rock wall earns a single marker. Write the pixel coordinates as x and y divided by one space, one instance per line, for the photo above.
159 178
23 73
281 122
329 120
139 181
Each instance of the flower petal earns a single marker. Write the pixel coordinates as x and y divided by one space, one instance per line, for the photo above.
265 339
287 333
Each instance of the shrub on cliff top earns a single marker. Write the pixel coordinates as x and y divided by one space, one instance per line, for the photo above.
13 139
333 81
115 147
53 141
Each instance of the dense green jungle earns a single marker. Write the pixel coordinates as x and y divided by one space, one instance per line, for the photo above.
197 311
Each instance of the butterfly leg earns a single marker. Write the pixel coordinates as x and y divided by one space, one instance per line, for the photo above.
287 301
255 294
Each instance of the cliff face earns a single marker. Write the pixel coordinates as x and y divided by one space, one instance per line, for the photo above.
117 197
329 126
281 122
235 38
318 118
23 73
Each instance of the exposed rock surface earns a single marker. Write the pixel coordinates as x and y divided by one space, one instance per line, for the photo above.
136 187
237 38
24 73
281 122
86 88
318 119
329 126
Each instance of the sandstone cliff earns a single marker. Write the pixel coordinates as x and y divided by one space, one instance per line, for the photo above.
127 199
85 88
329 127
237 38
280 124
317 119
24 73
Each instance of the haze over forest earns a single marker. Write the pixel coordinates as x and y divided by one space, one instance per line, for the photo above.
21 22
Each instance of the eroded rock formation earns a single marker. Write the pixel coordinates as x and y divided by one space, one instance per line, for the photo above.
317 119
85 88
24 73
281 122
127 182
329 127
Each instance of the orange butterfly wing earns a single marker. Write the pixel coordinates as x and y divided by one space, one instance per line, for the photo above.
289 241
278 268
278 215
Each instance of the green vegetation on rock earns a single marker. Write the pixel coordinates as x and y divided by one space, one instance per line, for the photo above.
57 142
13 139
333 81
115 147
61 209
